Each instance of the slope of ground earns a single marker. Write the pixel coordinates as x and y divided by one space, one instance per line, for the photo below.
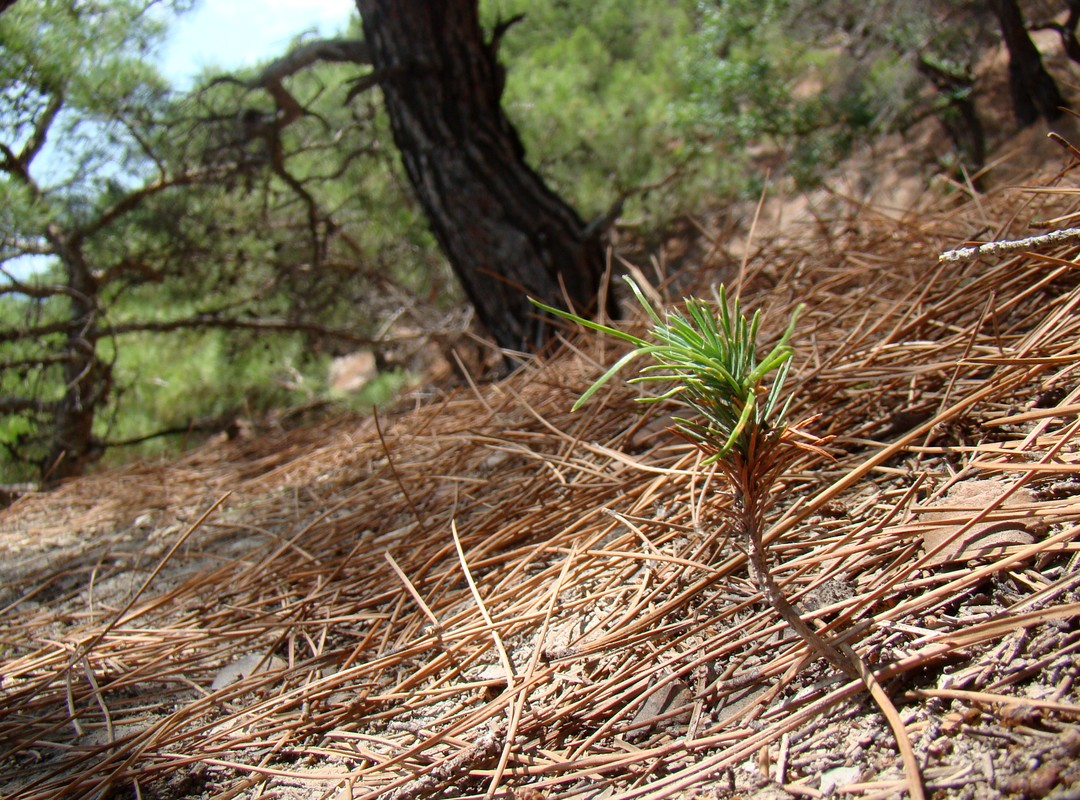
492 596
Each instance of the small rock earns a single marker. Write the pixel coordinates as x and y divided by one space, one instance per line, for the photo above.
964 500
838 777
672 696
244 667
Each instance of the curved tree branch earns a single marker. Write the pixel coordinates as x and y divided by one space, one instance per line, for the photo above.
131 201
1067 32
38 291
255 125
271 78
353 51
41 129
18 165
205 321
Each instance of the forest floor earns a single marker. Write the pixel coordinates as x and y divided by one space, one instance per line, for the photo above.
490 596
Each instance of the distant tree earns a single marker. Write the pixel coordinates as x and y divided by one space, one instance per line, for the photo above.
1034 92
956 87
123 217
506 235
1066 30
67 76
902 47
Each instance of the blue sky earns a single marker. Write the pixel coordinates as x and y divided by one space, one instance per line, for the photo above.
227 34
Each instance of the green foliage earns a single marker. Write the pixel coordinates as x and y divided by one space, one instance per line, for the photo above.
618 95
384 390
160 378
180 226
593 90
13 428
92 58
674 103
737 86
711 360
757 87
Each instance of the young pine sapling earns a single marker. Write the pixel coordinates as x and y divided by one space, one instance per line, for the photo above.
711 367
739 420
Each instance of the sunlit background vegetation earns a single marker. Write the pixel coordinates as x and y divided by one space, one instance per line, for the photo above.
226 295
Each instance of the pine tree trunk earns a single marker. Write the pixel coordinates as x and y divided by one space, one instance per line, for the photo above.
1034 92
507 236
86 378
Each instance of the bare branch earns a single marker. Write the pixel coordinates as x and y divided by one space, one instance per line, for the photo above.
229 424
270 79
499 32
17 334
206 321
36 363
1065 236
199 321
18 165
41 130
133 200
353 51
20 405
38 291
144 145
369 81
1067 32
288 110
212 425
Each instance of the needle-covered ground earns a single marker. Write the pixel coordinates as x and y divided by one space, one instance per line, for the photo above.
491 596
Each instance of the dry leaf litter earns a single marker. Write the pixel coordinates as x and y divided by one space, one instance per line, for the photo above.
490 596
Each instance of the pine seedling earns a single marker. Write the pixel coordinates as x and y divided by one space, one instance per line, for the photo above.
709 360
711 365
739 422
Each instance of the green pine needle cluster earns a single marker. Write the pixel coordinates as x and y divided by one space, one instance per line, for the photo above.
712 363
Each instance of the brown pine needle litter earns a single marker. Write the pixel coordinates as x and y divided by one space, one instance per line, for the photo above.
491 596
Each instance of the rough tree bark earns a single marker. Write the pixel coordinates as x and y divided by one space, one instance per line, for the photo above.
507 235
960 117
1066 30
87 379
1034 92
